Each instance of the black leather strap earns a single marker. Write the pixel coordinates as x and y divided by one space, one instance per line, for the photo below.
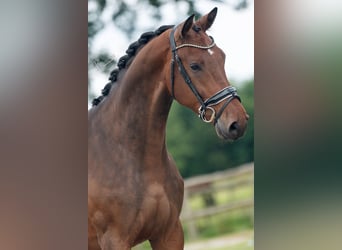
221 95
182 70
228 93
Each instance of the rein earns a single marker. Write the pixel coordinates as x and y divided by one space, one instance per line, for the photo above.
227 93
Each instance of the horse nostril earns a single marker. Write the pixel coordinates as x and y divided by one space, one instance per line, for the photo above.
234 127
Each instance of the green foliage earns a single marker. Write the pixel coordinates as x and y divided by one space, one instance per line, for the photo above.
195 146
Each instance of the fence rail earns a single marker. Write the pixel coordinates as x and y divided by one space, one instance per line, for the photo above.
220 175
209 185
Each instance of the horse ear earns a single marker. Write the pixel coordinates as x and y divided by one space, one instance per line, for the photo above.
187 25
207 20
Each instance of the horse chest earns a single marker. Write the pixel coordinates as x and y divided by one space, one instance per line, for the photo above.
156 204
156 211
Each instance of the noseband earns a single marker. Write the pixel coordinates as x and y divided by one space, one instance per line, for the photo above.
227 93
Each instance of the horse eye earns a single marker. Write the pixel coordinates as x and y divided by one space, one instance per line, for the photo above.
195 67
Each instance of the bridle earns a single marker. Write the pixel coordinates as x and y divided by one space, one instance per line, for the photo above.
228 93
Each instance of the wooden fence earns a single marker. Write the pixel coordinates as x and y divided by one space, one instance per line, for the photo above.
208 185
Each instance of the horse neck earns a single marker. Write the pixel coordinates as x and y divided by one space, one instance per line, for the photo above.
137 109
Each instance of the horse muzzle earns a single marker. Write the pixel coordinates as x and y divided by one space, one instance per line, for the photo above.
232 130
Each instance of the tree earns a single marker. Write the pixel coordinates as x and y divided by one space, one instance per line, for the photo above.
123 14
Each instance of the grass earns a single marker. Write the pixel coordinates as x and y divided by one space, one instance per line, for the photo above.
221 224
143 246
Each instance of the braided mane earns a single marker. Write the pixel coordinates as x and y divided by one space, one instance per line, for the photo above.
126 60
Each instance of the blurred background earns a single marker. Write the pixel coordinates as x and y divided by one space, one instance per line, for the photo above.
43 121
219 176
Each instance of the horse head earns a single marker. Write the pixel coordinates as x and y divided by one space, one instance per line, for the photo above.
200 83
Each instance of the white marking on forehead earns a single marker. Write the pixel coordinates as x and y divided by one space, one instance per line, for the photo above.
210 52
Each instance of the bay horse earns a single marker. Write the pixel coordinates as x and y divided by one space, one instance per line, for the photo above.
135 191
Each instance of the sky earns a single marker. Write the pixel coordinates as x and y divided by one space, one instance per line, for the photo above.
232 30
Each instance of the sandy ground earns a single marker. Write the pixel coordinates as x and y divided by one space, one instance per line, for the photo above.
223 241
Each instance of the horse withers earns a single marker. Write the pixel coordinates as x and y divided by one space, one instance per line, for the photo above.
135 191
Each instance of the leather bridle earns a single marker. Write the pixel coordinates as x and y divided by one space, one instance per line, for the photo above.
226 94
